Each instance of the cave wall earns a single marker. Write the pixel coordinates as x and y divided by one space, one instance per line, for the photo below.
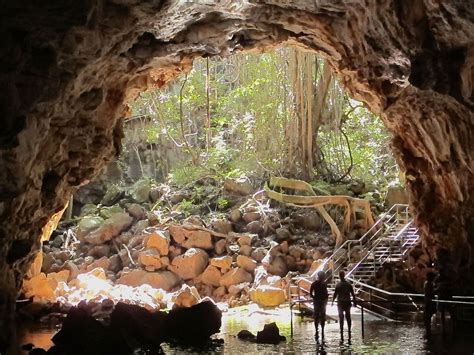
68 66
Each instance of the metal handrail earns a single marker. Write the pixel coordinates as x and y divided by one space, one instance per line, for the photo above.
380 223
378 226
396 237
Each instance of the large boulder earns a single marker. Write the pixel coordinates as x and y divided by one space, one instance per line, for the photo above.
235 276
109 229
211 276
193 325
246 263
190 264
82 334
87 225
278 266
157 239
396 194
268 296
165 280
191 238
185 297
150 259
140 191
138 325
270 334
198 239
238 187
223 262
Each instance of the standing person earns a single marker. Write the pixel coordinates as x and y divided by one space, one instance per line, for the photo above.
343 293
445 294
430 306
319 294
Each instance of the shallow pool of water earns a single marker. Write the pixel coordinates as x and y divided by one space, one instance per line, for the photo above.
381 337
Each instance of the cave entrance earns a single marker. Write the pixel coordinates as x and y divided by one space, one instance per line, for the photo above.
194 153
69 75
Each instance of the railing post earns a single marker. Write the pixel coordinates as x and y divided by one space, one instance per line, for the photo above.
373 264
299 298
291 318
362 326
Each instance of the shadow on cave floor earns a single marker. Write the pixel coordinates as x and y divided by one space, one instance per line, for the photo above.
381 337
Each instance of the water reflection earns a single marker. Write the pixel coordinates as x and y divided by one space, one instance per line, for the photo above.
381 337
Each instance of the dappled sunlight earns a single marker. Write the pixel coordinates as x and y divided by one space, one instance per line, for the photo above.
90 287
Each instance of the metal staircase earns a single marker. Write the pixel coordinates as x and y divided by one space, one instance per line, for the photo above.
389 239
388 248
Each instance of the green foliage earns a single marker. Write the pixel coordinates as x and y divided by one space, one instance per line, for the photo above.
222 203
186 206
184 175
251 109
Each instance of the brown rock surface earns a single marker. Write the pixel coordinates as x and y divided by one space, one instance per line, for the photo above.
223 262
268 296
211 276
246 263
190 264
109 229
198 239
150 259
235 276
66 80
186 297
165 280
155 238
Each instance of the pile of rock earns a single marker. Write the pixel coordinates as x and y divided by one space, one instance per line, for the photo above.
242 255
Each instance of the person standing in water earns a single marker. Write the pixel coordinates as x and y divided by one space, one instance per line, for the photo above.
319 294
343 293
430 306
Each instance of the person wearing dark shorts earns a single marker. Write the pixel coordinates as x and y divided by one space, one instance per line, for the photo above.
343 293
319 294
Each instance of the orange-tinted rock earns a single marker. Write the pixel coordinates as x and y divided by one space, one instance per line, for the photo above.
190 264
268 296
223 262
165 280
198 239
246 263
235 276
186 297
150 258
211 276
110 228
158 239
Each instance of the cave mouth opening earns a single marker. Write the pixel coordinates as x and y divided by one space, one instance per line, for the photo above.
372 48
238 115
